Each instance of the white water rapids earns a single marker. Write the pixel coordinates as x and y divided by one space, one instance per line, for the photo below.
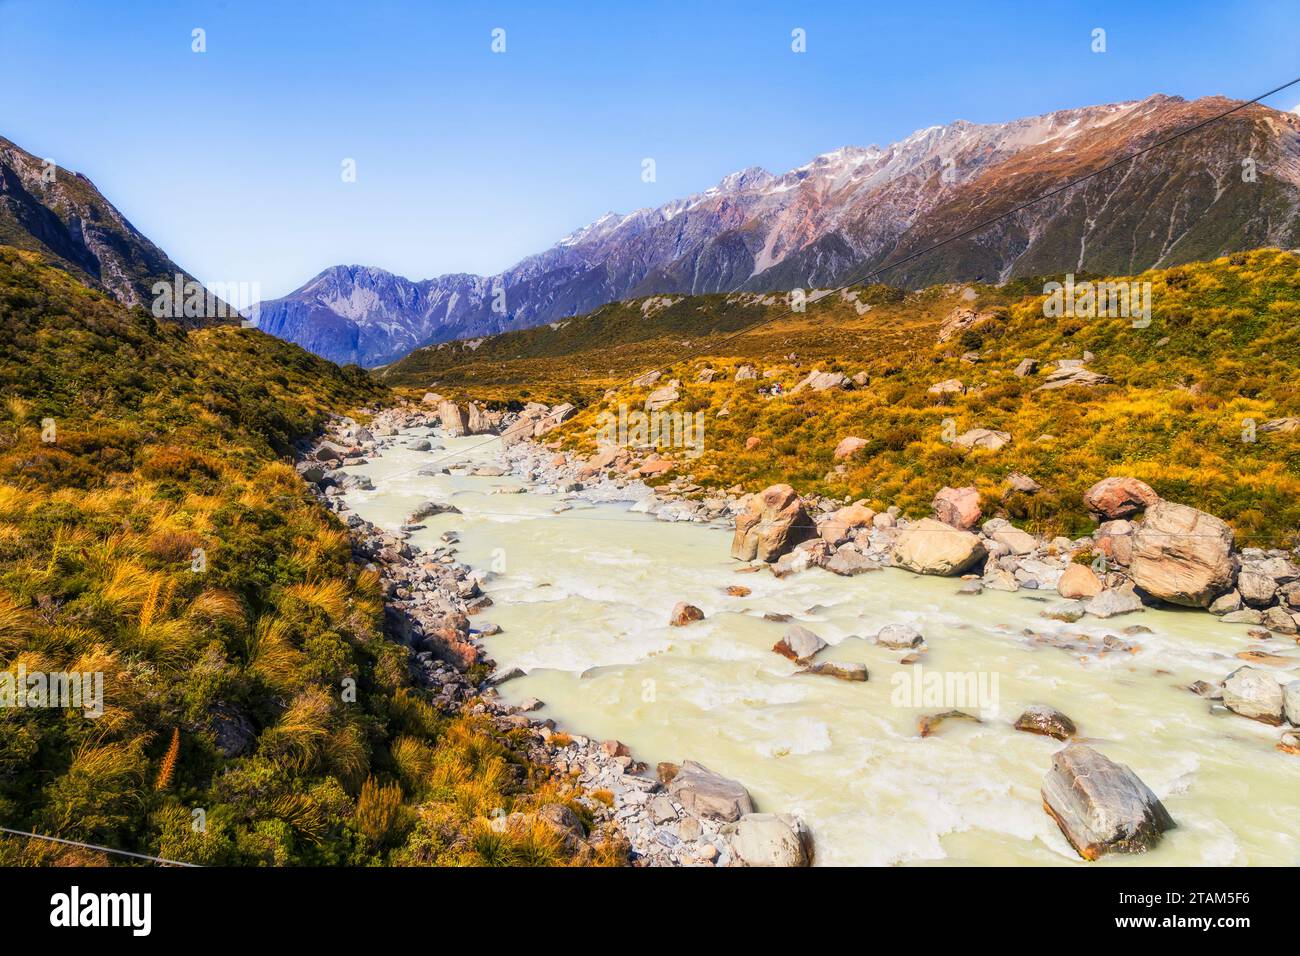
584 596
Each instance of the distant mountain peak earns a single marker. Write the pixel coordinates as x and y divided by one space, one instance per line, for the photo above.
856 208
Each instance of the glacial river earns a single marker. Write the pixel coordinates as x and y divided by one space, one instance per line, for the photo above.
583 598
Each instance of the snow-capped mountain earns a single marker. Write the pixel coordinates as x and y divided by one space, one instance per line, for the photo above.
1232 185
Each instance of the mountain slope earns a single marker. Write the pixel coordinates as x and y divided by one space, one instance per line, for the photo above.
68 221
858 208
129 449
1200 404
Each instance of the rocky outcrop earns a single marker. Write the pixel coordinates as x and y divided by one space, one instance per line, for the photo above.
839 525
771 525
1182 555
1113 498
932 547
1101 806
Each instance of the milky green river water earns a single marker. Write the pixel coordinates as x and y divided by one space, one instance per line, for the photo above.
584 598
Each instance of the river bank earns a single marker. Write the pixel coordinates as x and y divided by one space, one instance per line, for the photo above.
726 699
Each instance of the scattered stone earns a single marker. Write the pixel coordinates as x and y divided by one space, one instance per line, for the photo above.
899 637
927 725
1119 497
848 447
684 614
799 644
1079 581
982 438
1040 719
849 671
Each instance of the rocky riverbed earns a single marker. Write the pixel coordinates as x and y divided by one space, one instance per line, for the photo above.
1116 571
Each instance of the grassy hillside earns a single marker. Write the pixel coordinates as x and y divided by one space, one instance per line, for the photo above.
1223 346
224 687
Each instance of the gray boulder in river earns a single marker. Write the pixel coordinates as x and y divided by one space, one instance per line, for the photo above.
1101 806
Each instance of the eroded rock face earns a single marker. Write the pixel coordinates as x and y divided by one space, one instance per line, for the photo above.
1101 806
772 523
479 422
958 507
932 547
710 795
1182 555
1113 498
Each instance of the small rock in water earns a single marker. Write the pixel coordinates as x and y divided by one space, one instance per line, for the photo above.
1039 719
928 724
1101 806
684 614
737 590
971 587
899 636
850 671
799 644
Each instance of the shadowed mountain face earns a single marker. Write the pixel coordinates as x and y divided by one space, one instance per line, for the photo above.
1232 185
61 215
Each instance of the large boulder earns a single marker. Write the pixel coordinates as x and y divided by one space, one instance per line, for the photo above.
478 421
452 418
769 839
772 523
710 795
1255 693
932 547
958 507
1101 806
1182 555
1113 498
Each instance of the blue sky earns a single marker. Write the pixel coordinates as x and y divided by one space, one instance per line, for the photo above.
468 160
